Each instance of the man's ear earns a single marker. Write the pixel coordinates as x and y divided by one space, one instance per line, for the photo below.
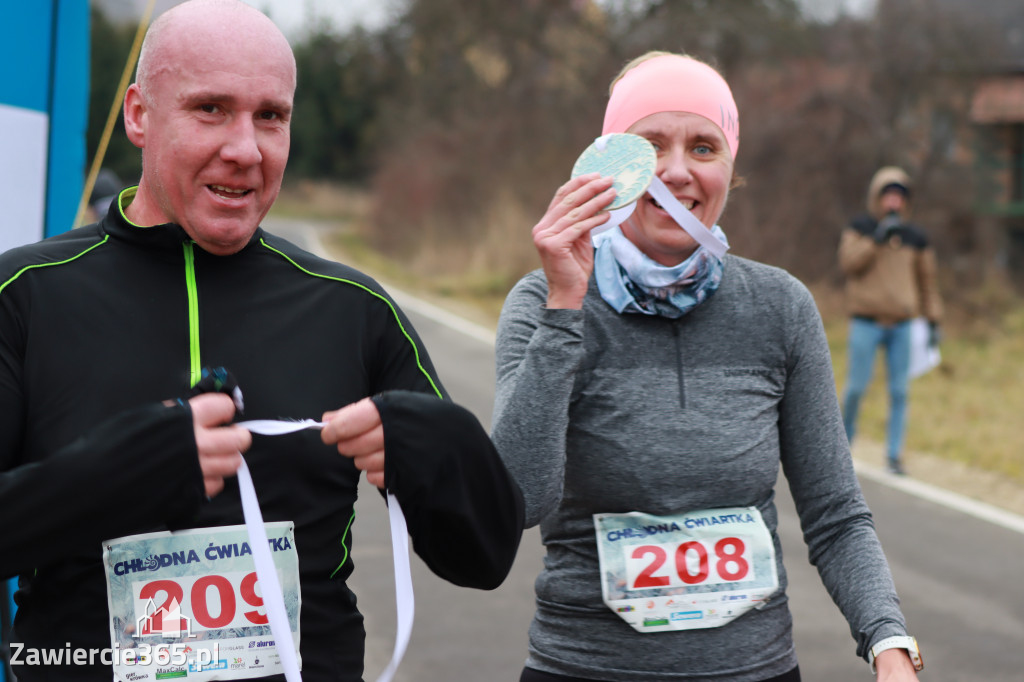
135 109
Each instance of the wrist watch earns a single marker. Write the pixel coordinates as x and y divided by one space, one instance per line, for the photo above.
899 642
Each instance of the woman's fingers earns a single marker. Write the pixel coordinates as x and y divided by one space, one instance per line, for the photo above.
580 199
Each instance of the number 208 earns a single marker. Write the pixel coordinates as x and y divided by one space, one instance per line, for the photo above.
693 564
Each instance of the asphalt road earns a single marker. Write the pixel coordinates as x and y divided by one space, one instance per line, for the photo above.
959 577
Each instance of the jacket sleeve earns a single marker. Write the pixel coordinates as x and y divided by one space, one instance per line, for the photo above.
137 470
856 252
463 510
837 524
928 285
538 353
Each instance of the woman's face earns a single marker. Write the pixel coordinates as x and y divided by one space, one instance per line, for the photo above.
696 165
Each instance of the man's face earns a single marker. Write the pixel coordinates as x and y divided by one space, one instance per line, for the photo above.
893 201
215 138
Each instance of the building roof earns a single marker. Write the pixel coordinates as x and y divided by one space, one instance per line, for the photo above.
999 99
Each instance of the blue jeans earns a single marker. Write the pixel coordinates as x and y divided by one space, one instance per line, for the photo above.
865 337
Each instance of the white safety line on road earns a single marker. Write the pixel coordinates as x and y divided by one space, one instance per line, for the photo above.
946 498
407 301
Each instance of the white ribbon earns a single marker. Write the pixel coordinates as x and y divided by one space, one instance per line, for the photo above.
267 575
405 603
686 220
279 427
616 217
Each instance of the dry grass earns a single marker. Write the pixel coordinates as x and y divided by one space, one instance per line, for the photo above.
470 276
966 411
323 201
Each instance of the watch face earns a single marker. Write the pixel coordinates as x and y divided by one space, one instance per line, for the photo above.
915 656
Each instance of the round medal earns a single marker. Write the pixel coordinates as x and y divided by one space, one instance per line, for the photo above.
630 159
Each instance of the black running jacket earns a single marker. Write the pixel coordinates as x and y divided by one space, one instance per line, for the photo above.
100 325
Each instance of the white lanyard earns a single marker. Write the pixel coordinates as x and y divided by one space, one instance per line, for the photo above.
686 220
267 575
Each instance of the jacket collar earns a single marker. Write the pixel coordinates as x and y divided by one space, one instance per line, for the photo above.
164 236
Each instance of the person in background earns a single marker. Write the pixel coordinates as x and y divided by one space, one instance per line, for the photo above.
891 279
104 332
647 394
104 191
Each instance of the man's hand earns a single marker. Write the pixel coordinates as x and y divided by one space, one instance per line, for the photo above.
886 225
220 447
359 434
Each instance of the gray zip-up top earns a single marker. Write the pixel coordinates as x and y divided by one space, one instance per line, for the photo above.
601 412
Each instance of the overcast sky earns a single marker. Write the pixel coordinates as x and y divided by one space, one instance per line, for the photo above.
293 15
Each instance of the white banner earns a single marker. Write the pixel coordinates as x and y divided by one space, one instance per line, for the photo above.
23 139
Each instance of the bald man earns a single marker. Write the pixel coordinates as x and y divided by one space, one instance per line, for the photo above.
118 499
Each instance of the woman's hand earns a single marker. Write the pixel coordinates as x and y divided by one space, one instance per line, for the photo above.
893 665
562 237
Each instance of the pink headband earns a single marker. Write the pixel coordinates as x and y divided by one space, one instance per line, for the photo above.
673 83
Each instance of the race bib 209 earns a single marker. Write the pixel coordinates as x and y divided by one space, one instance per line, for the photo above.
188 604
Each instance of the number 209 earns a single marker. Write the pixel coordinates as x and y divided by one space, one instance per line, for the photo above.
198 602
693 564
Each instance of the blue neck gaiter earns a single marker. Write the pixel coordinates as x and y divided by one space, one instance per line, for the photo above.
630 282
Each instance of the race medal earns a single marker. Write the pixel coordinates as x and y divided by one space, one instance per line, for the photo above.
630 159
686 571
188 603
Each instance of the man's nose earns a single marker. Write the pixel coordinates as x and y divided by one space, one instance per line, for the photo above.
242 146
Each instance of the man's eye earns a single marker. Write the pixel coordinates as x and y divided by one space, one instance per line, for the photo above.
208 108
269 115
703 149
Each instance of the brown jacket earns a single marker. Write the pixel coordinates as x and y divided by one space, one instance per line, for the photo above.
894 280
